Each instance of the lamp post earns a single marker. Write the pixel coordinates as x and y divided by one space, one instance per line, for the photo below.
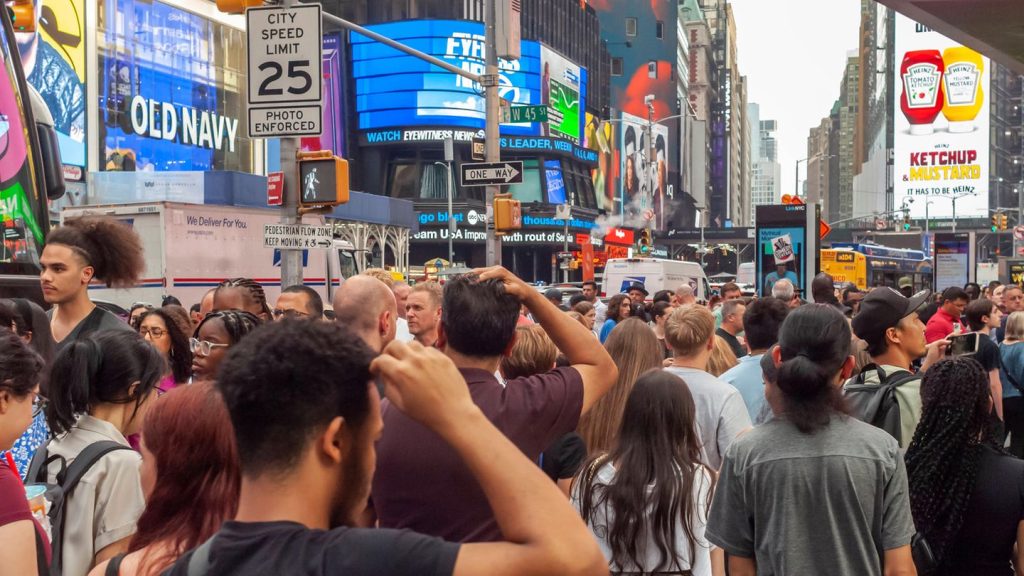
796 175
451 217
954 198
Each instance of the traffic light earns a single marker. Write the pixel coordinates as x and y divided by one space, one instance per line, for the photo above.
906 221
644 242
233 6
323 179
508 215
1003 221
23 15
995 222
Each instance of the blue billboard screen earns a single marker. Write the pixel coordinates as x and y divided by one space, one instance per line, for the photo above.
397 90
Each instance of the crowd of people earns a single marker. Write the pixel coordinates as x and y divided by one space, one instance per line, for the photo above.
486 427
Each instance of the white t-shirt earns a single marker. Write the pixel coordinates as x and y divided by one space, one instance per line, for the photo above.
721 413
402 331
700 499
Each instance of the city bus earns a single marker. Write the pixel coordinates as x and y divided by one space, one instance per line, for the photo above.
30 172
872 265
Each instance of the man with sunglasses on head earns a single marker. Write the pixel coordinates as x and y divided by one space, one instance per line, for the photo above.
298 302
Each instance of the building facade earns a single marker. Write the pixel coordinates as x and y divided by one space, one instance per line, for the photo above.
766 172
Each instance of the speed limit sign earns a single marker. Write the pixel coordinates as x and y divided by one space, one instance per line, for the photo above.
285 70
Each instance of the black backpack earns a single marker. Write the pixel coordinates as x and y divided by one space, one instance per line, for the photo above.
876 404
67 480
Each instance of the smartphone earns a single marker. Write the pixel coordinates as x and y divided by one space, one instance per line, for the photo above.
962 344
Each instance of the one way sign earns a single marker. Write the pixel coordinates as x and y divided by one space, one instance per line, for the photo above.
483 174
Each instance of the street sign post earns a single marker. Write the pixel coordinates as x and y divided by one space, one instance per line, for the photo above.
522 114
285 70
297 236
490 174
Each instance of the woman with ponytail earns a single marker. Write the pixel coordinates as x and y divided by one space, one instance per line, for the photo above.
813 491
102 386
965 491
80 251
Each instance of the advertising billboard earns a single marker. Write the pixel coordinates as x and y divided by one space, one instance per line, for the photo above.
644 170
785 250
396 90
169 109
54 61
953 260
941 124
333 136
563 86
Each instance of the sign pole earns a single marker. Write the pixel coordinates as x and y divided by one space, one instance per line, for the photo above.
291 260
491 128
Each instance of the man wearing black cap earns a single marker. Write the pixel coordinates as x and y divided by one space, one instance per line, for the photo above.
554 295
889 325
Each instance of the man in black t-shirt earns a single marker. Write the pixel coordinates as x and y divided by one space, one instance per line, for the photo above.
983 316
732 324
306 415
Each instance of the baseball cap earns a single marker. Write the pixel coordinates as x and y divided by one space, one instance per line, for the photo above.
905 282
553 294
883 308
637 286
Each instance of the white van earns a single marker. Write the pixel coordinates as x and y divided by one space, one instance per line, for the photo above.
656 274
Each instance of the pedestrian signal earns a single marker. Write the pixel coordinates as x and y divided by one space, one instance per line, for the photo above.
323 179
235 6
508 215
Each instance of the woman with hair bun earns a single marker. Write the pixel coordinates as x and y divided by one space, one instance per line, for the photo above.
813 491
80 251
965 490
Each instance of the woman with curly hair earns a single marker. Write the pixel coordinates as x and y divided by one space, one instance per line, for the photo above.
965 492
80 251
619 308
164 331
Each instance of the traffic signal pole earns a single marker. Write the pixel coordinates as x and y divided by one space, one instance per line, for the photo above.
489 81
291 260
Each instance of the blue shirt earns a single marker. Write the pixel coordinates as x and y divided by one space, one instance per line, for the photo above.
606 329
25 446
747 378
1012 356
772 278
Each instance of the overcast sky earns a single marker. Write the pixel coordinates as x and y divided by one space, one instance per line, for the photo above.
793 54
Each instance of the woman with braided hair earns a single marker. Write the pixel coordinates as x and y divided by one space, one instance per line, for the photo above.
242 294
214 335
967 495
80 251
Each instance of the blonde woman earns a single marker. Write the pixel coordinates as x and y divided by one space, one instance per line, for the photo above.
722 358
634 348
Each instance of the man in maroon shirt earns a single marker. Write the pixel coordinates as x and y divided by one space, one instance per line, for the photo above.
420 482
944 321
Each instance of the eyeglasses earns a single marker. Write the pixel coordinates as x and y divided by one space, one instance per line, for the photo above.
202 347
290 313
152 332
39 404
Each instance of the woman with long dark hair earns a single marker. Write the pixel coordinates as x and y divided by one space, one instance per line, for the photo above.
30 323
214 335
190 477
161 330
20 402
104 384
619 308
646 500
813 491
635 350
965 491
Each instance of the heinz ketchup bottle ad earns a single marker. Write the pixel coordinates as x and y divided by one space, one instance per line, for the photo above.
941 124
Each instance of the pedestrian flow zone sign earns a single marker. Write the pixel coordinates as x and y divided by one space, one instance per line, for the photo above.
484 174
296 236
285 71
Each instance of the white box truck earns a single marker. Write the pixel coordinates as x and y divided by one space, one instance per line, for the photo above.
190 248
656 274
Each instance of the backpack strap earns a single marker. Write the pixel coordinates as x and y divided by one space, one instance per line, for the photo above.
199 563
114 566
82 463
37 466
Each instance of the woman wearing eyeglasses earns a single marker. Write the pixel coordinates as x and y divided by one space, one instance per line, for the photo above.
160 329
214 335
19 403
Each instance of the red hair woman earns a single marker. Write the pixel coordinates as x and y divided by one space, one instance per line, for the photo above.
190 478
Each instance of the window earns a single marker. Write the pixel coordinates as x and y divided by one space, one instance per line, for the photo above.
652 69
630 26
434 184
659 29
530 189
616 66
403 180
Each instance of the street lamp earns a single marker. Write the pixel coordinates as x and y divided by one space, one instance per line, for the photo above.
451 218
796 174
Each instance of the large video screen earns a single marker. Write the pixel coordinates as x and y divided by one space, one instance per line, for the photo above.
941 124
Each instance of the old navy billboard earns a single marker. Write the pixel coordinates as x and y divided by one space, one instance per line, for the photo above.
395 90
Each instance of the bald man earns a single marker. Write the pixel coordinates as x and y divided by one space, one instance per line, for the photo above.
367 306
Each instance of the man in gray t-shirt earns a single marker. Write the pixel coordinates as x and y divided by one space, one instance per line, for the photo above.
831 502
